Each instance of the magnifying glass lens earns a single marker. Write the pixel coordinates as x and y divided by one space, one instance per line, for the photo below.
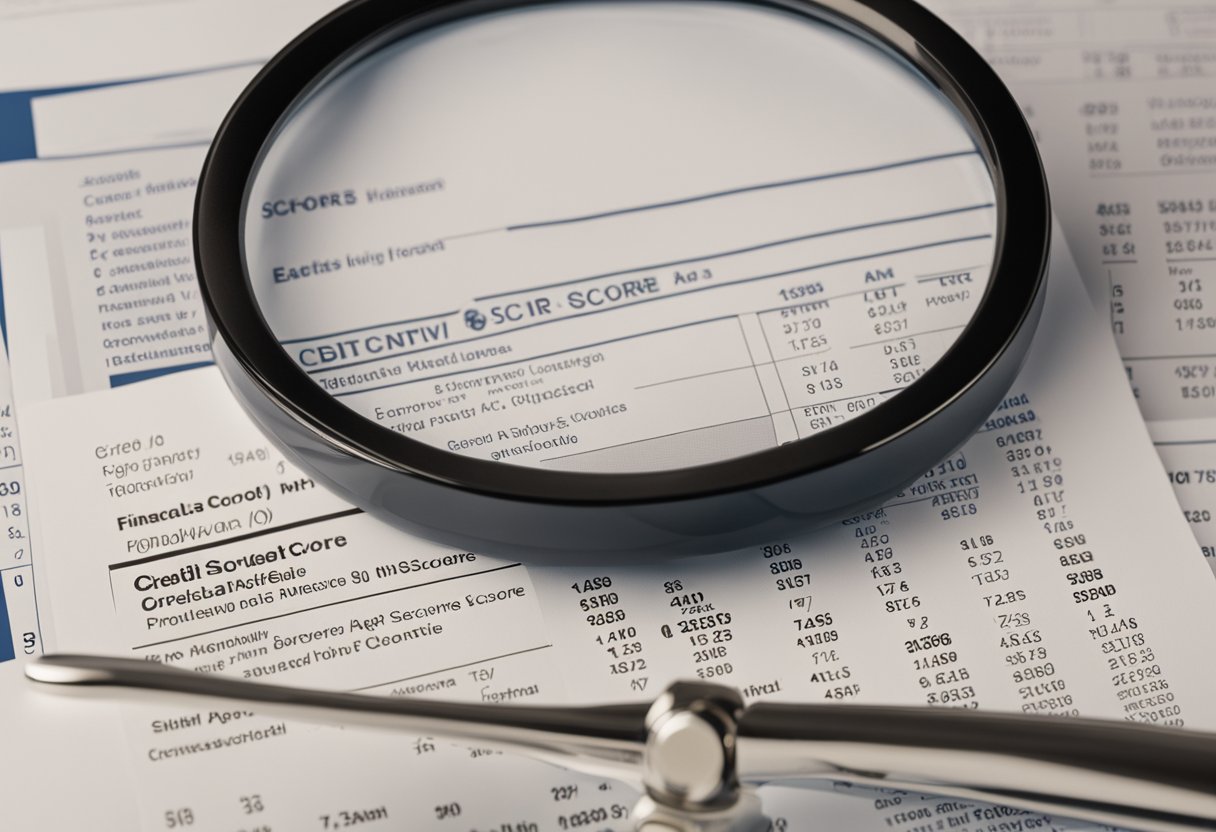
620 237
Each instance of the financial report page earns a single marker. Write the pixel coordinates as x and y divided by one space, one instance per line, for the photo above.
1007 577
1045 567
1119 96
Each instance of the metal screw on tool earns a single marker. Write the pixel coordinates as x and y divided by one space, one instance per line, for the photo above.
689 764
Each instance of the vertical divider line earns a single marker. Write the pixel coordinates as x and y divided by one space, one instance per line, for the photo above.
759 382
772 359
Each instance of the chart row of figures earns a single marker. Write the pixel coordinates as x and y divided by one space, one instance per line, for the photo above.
709 383
1015 614
20 624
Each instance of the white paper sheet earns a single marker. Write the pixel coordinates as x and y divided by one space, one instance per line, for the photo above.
1018 636
1188 450
22 621
1010 577
1120 97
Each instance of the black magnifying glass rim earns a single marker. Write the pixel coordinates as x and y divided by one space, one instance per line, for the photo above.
901 27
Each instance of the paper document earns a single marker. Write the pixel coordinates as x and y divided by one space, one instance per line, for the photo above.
80 82
163 525
1120 97
53 45
1009 577
1188 449
52 744
21 616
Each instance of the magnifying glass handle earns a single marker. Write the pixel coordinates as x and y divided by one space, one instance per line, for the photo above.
697 751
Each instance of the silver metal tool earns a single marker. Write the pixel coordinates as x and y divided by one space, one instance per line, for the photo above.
698 753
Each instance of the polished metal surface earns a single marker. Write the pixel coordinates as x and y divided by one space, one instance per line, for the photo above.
1118 773
697 749
603 741
689 761
685 757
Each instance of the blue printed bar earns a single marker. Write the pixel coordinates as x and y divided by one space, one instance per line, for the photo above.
6 630
143 375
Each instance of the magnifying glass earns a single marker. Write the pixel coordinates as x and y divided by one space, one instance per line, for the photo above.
622 277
